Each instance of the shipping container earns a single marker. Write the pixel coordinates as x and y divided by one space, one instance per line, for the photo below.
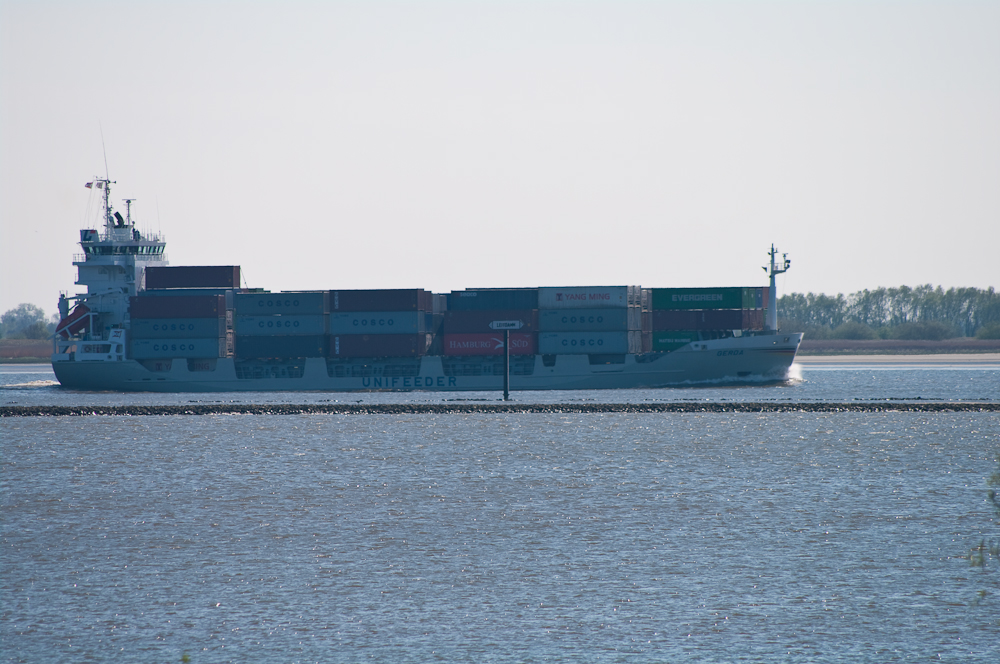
753 297
753 320
668 340
284 324
588 297
289 302
229 293
380 322
489 344
178 328
439 303
193 276
401 299
719 319
379 345
583 342
493 298
278 347
148 349
635 318
665 319
593 320
647 341
647 321
191 306
478 321
709 319
697 298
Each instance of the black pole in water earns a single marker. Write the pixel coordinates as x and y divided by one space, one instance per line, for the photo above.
506 365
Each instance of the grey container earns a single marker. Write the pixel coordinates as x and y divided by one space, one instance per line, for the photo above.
148 349
290 302
576 320
178 328
379 322
574 343
283 325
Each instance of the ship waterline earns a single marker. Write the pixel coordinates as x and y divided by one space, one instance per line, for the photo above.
749 359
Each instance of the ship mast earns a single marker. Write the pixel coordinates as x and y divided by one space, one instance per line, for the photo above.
772 301
105 185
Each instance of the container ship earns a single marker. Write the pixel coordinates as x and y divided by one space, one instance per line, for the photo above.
145 326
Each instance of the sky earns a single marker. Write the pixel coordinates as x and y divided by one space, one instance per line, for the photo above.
450 145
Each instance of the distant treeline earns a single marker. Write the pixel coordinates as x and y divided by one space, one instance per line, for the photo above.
924 312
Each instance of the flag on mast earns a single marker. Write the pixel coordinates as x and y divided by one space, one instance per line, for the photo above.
89 185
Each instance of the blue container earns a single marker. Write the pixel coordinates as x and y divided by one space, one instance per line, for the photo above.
178 328
148 349
378 322
262 326
577 320
291 302
573 343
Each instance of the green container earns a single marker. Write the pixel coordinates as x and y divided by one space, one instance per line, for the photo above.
698 298
669 340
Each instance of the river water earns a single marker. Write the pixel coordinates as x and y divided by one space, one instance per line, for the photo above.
531 537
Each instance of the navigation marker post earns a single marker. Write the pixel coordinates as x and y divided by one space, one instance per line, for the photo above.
506 326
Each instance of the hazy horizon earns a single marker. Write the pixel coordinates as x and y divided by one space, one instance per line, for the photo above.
448 145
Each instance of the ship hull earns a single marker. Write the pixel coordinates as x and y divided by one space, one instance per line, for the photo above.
760 358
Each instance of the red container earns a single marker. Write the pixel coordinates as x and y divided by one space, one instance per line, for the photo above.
674 319
707 319
720 319
379 345
753 319
194 276
412 299
194 306
489 344
478 322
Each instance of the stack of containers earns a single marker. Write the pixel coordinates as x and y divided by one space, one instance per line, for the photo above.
593 320
381 323
680 315
466 327
185 312
284 325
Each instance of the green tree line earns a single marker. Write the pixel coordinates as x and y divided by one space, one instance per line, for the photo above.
26 321
923 312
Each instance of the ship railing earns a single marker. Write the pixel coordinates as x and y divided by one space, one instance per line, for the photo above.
82 258
125 235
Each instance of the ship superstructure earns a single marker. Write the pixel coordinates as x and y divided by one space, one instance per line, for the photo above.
144 326
112 268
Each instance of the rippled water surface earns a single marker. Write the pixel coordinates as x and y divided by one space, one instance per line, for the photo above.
785 537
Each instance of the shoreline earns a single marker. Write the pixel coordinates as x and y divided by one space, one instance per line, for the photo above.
963 359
